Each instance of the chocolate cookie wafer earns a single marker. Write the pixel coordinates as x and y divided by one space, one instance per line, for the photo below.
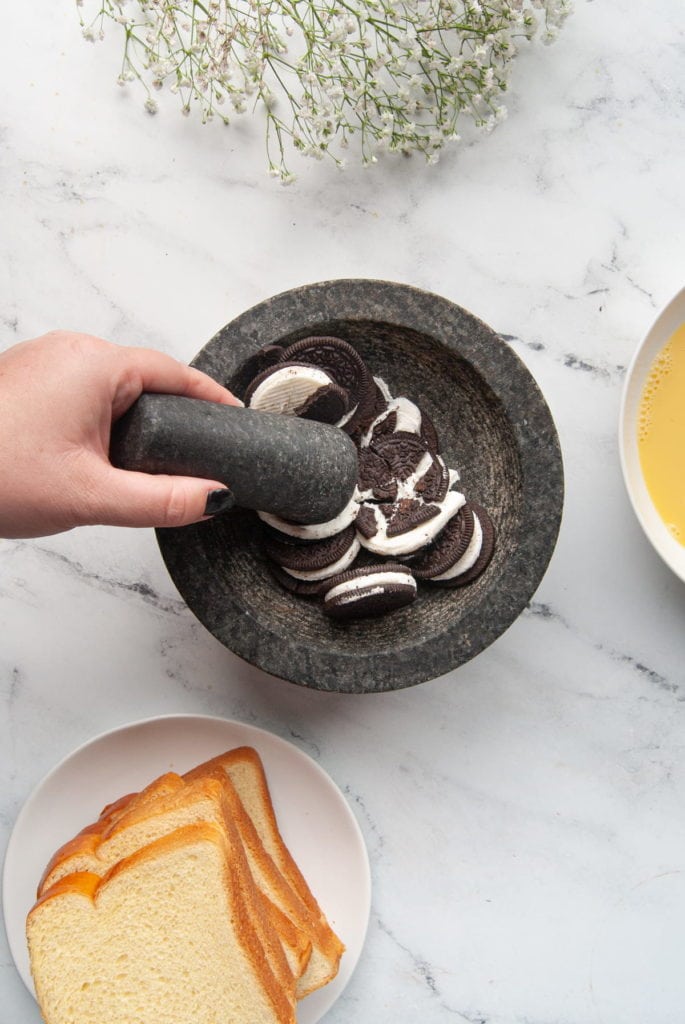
346 367
407 515
302 588
429 433
312 560
477 554
327 405
366 522
380 403
401 450
376 478
447 548
370 590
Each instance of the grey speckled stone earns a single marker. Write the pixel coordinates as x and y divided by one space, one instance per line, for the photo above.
298 469
494 427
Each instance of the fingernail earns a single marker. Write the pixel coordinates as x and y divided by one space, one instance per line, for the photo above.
219 501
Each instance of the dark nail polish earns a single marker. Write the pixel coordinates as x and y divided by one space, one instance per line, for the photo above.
219 501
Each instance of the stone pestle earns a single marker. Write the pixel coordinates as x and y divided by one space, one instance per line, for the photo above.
298 469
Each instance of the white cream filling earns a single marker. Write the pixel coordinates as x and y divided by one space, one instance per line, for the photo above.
366 438
407 488
408 415
469 557
287 389
412 540
347 417
371 592
408 418
378 581
328 570
383 388
314 531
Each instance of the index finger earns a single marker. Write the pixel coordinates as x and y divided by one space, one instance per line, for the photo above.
147 369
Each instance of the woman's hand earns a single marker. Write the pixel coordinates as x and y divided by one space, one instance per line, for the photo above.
59 395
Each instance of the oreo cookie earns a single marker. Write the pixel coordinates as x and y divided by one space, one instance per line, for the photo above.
327 405
477 555
313 531
297 389
313 560
406 515
347 368
381 397
401 450
435 482
369 591
302 588
366 521
447 548
376 478
405 505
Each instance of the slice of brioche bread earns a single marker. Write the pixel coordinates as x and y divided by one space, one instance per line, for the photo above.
141 821
244 768
165 937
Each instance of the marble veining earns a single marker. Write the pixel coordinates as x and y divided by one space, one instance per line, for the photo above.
523 814
92 578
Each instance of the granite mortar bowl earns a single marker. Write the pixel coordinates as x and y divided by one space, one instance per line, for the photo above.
495 429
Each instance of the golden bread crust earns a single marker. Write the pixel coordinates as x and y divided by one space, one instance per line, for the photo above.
326 943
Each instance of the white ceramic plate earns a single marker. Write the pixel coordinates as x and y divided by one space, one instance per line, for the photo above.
670 318
315 820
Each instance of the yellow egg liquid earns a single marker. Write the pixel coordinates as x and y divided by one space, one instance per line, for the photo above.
661 434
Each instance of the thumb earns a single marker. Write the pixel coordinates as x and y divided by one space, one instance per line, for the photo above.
142 499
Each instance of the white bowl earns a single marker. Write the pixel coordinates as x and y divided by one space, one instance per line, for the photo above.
668 321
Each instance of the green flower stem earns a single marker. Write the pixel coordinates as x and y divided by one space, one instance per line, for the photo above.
400 76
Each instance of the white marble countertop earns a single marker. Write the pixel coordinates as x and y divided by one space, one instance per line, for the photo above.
523 815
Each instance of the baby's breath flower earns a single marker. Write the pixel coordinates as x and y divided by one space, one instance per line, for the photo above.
396 74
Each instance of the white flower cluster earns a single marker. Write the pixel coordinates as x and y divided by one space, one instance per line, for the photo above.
397 74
